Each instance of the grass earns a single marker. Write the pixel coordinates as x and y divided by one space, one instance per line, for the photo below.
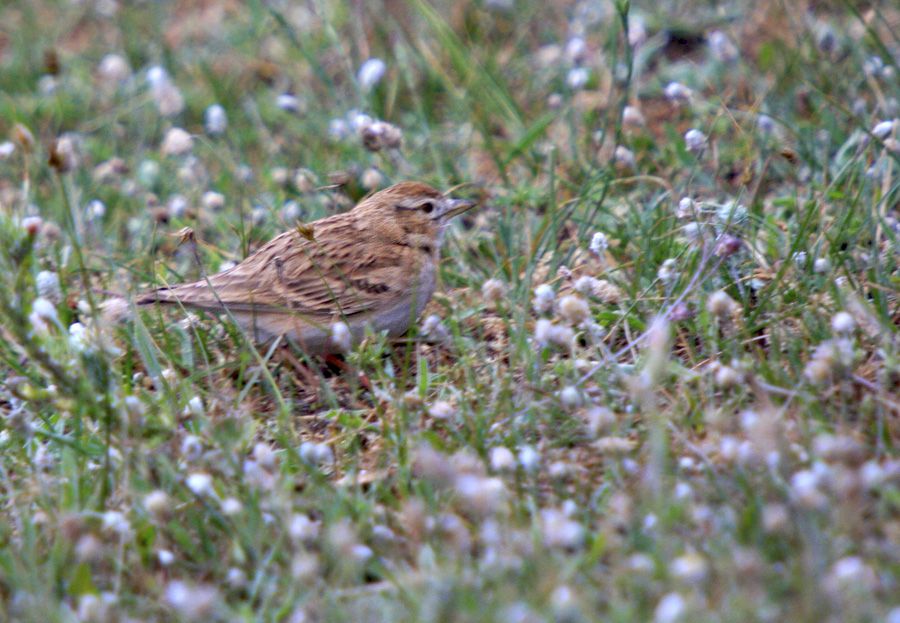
706 430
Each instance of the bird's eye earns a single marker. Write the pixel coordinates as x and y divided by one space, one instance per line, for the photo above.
428 207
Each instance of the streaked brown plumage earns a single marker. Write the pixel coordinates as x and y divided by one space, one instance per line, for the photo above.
372 266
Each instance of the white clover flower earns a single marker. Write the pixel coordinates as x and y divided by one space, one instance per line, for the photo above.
678 93
200 483
215 120
7 149
599 243
168 98
177 142
493 290
341 336
542 331
114 521
544 296
690 568
670 609
573 309
157 502
883 129
370 73
192 602
575 50
157 76
842 322
720 305
502 459
577 78
765 124
338 129
668 272
481 496
195 406
113 69
47 283
316 454
43 312
288 102
695 140
380 135
302 528
165 557
727 377
231 506
822 265
570 397
624 157
442 410
632 117
529 458
558 530
722 48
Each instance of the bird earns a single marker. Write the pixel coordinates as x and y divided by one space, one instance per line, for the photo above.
372 267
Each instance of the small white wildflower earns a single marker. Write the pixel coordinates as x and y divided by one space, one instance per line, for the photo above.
678 93
577 78
433 328
43 313
543 298
695 140
668 272
493 290
195 406
637 31
573 309
624 157
686 208
381 135
212 200
215 120
765 124
371 178
442 410
370 73
165 557
302 528
200 483
558 530
800 258
562 336
47 283
502 459
359 121
822 265
341 336
851 574
720 305
842 322
113 70
231 506
480 496
575 50
7 149
157 76
599 243
529 458
177 142
883 129
632 117
570 397
157 502
288 102
236 578
805 489
727 377
192 602
338 129
316 454
168 98
690 568
670 609
114 521
542 331
722 48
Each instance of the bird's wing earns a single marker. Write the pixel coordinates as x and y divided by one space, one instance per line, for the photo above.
328 273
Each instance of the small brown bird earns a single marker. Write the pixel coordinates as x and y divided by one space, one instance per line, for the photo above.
374 266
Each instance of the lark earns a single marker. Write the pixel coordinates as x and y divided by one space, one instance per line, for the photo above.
373 267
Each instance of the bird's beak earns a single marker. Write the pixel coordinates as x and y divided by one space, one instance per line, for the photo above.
457 206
